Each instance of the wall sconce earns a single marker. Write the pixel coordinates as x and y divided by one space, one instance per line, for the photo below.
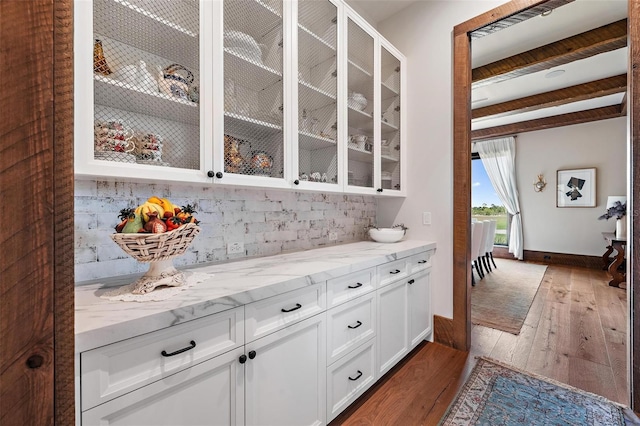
539 185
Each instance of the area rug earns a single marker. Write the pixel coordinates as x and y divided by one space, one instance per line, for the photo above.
498 395
502 299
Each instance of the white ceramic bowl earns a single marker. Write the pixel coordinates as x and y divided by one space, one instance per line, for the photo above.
386 235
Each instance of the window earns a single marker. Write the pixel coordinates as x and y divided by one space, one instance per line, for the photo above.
485 204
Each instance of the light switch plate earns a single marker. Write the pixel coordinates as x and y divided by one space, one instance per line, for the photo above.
235 248
426 218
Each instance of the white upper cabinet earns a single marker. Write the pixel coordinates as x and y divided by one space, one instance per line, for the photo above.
272 93
139 80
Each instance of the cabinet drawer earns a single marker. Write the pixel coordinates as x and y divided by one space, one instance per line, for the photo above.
420 261
272 314
121 367
348 287
349 325
393 271
349 378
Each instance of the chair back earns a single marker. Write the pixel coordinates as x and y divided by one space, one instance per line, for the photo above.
477 229
485 236
491 236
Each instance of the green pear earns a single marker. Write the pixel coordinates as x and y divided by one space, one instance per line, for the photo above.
133 225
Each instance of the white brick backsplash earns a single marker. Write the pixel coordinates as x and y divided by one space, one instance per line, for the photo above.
267 222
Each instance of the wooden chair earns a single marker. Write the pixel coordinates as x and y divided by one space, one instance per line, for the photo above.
476 245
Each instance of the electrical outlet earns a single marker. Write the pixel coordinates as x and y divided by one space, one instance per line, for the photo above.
333 236
235 248
426 218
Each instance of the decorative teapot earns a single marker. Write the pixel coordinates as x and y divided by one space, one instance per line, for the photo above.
175 80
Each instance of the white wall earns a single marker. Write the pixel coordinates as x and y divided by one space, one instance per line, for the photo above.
423 32
600 144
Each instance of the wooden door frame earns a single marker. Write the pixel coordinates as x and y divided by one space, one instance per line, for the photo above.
36 179
462 176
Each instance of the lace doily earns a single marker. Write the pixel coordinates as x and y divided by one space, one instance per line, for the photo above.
160 293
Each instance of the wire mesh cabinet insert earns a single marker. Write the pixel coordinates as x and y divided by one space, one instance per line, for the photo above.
391 120
138 64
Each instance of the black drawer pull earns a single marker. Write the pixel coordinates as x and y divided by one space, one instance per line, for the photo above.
252 354
358 324
179 351
242 359
298 306
411 281
356 286
422 261
397 271
357 377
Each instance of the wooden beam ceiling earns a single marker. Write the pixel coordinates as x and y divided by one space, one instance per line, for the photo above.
578 117
603 39
580 92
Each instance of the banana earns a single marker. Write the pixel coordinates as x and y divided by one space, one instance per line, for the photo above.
167 206
148 207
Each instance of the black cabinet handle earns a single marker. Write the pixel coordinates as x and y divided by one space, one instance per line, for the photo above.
210 173
298 306
411 281
242 359
358 324
357 377
252 354
422 261
179 351
355 286
219 175
297 182
379 189
397 271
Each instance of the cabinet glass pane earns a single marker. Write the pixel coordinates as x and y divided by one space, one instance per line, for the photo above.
317 88
360 105
146 77
390 125
253 106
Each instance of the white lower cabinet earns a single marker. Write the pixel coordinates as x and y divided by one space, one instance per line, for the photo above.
393 341
283 360
209 393
285 376
350 377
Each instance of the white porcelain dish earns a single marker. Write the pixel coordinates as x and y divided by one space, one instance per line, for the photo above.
243 45
386 235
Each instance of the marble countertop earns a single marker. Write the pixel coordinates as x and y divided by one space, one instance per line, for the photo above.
100 322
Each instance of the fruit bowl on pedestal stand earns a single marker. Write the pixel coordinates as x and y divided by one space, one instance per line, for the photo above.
158 250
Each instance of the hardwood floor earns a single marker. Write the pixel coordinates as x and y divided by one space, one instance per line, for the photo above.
575 333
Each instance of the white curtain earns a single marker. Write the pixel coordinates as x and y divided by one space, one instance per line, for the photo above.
499 160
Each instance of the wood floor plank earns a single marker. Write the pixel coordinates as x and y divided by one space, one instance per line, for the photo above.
550 351
587 338
592 377
616 342
514 350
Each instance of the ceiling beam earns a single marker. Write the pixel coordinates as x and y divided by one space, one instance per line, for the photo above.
578 117
603 39
522 16
579 92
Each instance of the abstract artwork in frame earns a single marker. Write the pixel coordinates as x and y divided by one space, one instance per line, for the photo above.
576 188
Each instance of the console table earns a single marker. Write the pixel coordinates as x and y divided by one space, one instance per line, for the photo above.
617 244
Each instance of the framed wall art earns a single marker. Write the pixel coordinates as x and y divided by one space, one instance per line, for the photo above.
576 188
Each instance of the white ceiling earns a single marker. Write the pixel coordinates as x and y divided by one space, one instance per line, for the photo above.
570 19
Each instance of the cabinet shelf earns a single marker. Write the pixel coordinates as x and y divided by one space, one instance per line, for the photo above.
360 120
256 18
388 159
247 127
256 76
116 94
311 142
316 50
358 154
125 21
386 128
314 98
388 92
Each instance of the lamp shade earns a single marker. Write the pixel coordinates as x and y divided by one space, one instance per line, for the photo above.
611 200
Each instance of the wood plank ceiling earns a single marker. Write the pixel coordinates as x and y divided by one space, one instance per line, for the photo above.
603 39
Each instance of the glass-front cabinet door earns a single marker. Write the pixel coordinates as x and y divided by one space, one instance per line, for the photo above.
317 64
138 65
391 121
360 106
254 45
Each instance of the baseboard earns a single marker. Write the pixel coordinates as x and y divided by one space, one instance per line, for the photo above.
443 331
550 258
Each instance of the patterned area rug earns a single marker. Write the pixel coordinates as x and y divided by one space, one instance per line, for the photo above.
498 395
502 299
